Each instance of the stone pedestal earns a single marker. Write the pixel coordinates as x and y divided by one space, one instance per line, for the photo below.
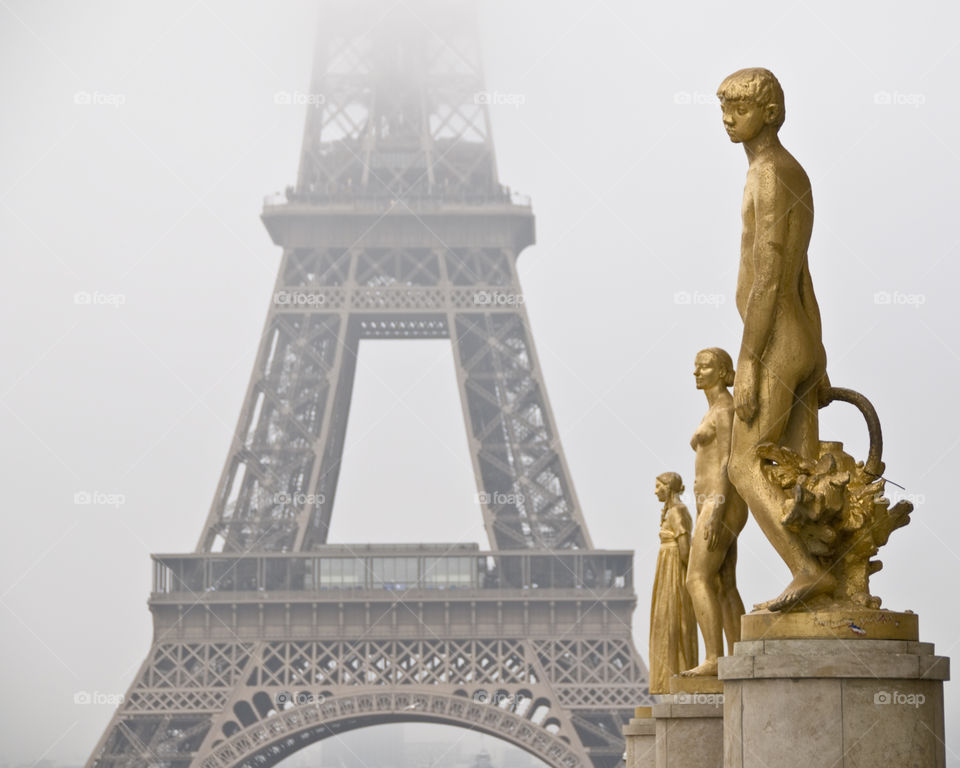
640 734
689 724
842 703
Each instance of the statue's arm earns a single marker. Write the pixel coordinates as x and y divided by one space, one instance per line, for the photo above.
716 506
681 533
724 432
683 543
771 207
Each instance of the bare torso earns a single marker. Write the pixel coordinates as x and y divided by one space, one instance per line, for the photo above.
710 473
781 319
797 313
706 445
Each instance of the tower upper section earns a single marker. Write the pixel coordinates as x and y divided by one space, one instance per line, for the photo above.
399 106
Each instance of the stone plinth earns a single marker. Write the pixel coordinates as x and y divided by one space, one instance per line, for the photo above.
695 685
689 725
848 624
641 736
843 703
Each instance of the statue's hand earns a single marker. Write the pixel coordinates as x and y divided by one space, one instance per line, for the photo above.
713 529
745 388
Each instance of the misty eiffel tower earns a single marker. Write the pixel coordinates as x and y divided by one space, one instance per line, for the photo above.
267 639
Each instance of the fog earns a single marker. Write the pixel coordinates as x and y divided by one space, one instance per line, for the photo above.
147 195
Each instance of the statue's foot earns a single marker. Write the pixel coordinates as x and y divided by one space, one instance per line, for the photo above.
805 585
707 669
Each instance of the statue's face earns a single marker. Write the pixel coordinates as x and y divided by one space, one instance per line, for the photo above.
705 371
663 493
744 119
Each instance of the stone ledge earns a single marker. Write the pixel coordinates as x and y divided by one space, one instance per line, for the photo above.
934 667
680 684
814 646
646 726
849 664
678 711
736 667
825 665
853 623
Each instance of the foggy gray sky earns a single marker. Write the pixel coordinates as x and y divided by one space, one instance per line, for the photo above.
155 202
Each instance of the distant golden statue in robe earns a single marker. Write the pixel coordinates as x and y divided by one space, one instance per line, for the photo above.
673 626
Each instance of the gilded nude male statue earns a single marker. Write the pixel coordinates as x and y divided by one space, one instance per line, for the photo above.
781 370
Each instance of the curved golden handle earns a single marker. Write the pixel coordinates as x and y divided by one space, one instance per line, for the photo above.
874 464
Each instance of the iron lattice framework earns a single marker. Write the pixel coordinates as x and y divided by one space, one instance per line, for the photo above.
268 638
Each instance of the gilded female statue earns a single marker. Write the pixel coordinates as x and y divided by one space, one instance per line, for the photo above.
673 626
721 515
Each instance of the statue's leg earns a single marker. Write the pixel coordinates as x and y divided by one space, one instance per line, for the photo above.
702 585
745 468
777 399
803 428
731 605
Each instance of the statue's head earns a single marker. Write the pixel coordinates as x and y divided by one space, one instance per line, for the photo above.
668 484
751 100
713 366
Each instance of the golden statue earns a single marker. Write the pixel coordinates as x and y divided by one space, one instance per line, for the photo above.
721 515
781 379
673 626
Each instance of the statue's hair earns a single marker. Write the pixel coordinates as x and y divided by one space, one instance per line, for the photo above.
672 480
724 362
756 85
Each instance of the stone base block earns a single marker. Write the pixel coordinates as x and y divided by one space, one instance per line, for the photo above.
689 729
641 737
695 685
843 624
838 703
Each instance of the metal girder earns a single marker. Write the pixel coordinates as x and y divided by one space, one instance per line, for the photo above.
245 704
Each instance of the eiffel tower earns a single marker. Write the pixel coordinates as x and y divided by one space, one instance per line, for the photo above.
267 638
